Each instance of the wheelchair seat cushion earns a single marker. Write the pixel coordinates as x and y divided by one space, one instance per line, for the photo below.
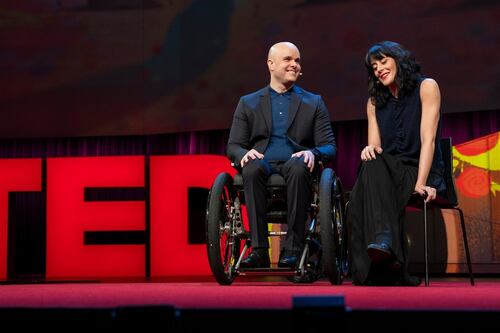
274 180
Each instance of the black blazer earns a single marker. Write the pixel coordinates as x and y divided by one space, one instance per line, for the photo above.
309 126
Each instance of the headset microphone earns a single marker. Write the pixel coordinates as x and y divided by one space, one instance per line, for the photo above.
300 73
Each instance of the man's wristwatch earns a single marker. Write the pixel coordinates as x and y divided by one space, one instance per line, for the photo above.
317 154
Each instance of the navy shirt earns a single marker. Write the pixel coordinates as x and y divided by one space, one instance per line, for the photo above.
280 148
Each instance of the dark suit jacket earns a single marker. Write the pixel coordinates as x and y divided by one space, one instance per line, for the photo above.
308 125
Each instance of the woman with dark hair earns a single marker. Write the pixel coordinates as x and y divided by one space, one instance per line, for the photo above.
402 157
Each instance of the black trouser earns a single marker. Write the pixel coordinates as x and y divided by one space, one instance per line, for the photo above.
298 186
376 210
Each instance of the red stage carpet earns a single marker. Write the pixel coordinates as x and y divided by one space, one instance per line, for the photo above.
441 295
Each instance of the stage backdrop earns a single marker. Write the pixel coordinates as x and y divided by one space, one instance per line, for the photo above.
476 166
121 67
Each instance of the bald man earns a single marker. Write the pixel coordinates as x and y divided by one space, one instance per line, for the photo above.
279 129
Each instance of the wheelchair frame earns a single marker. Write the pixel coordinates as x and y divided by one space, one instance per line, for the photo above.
326 246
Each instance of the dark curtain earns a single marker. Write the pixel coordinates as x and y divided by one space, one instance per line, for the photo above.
351 138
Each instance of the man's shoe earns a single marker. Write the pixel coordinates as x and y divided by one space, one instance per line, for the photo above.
289 260
256 259
379 252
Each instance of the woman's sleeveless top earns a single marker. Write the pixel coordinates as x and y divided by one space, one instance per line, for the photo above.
399 124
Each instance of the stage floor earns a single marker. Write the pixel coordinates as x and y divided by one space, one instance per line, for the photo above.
442 294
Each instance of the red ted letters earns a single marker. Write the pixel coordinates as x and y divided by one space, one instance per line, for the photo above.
69 216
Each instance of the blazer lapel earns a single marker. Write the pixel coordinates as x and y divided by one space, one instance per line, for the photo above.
265 108
295 101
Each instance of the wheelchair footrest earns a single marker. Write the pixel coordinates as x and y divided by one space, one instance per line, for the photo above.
272 271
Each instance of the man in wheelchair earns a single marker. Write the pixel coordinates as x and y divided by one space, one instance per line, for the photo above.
280 129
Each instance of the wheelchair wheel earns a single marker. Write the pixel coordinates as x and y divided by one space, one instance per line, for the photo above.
223 246
333 231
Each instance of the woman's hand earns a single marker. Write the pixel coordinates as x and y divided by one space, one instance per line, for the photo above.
368 153
429 193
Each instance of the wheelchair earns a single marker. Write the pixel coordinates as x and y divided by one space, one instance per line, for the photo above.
325 253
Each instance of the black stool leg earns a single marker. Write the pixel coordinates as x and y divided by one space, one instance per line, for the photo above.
425 246
466 246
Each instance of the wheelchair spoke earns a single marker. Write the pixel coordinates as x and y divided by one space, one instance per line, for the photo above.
227 255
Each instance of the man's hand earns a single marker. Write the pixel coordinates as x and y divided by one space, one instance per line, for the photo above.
251 154
368 153
308 158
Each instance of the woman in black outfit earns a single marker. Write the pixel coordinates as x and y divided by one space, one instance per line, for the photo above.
402 157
